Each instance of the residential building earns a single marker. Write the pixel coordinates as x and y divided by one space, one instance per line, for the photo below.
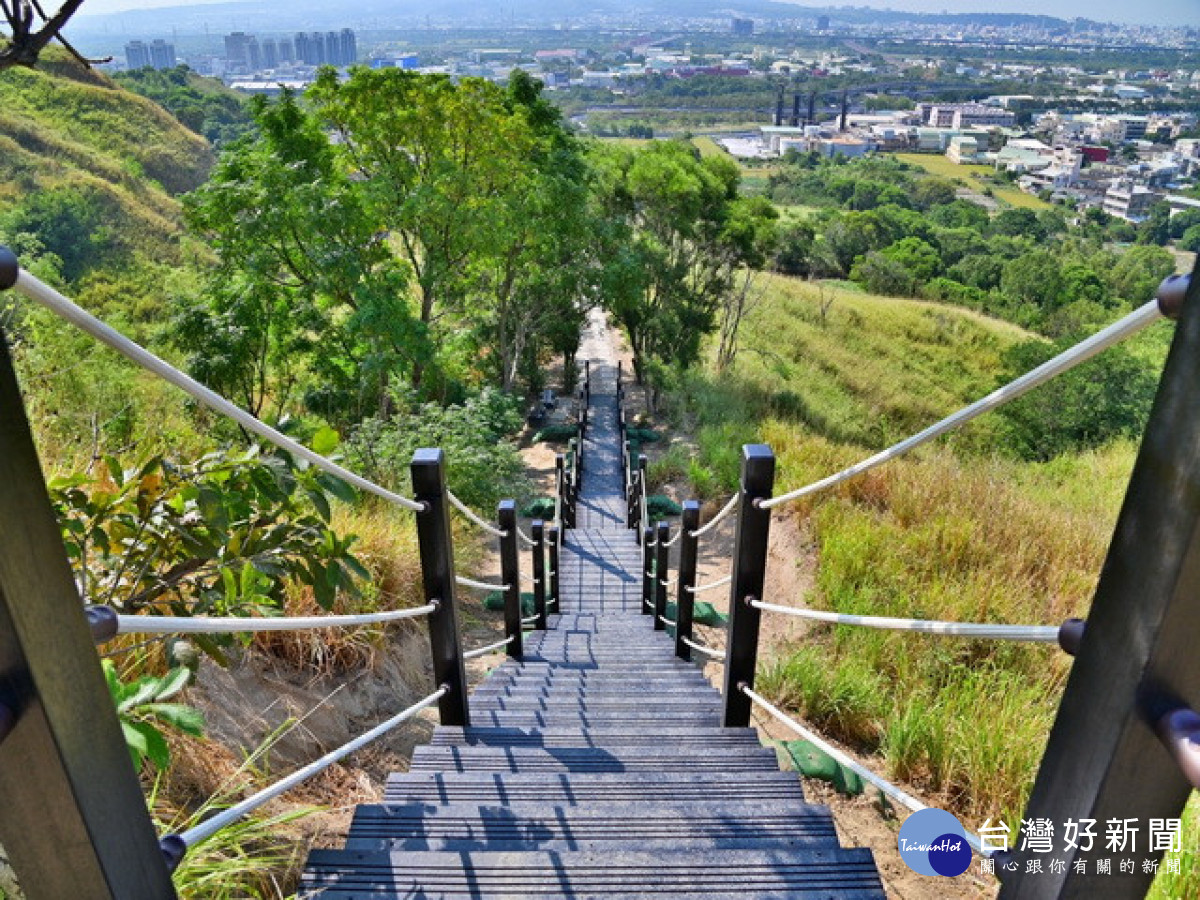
968 115
1129 201
965 148
742 27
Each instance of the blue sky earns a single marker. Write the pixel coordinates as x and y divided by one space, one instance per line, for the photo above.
1155 12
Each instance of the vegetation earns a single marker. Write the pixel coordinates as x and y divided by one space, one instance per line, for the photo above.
965 531
203 105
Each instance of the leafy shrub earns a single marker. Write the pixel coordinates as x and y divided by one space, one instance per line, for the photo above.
1105 398
142 711
222 535
541 508
482 467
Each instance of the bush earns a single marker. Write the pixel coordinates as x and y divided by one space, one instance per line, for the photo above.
1105 398
541 508
482 467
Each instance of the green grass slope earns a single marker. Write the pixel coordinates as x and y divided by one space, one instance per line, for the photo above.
960 530
70 132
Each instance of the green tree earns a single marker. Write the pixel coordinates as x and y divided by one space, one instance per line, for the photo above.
301 263
931 192
1156 229
1138 272
1190 239
919 257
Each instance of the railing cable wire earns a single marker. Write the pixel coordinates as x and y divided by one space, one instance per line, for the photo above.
716 520
891 790
479 585
720 582
471 516
209 827
707 651
1040 633
1131 324
35 289
238 624
483 651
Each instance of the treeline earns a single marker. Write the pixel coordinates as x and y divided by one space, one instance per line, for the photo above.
899 232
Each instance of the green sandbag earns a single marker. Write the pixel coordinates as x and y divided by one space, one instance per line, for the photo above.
541 508
495 601
702 614
556 434
814 762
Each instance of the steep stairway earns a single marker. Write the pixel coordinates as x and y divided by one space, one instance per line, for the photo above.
595 766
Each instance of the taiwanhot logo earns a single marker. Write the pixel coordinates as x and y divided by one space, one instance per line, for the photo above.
933 842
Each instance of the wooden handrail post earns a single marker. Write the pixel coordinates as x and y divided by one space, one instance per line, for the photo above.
73 819
1136 661
437 576
749 573
560 485
552 535
685 599
647 569
510 574
633 517
538 533
661 568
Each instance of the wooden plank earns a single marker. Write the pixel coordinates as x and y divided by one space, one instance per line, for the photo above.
73 818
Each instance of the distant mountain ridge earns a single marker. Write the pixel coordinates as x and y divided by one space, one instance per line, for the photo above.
267 16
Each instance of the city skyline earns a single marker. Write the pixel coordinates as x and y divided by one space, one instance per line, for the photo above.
1161 13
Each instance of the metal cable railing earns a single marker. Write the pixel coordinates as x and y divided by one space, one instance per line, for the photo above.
716 520
707 651
471 516
126 624
1047 634
1126 327
524 537
462 581
900 796
176 845
490 648
720 582
42 293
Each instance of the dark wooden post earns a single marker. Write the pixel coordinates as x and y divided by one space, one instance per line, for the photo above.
1136 663
685 600
560 485
510 574
633 516
72 819
538 533
620 388
437 575
749 571
661 568
647 570
552 534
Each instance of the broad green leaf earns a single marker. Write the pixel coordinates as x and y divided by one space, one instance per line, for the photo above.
153 744
325 441
185 718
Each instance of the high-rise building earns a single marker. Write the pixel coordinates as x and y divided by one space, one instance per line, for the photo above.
333 49
253 54
270 54
822 23
315 53
301 52
137 55
237 52
349 47
286 53
743 27
162 54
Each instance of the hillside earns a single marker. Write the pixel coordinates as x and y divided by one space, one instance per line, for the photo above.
83 158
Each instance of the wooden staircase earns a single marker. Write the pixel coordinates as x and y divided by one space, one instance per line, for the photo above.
596 766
